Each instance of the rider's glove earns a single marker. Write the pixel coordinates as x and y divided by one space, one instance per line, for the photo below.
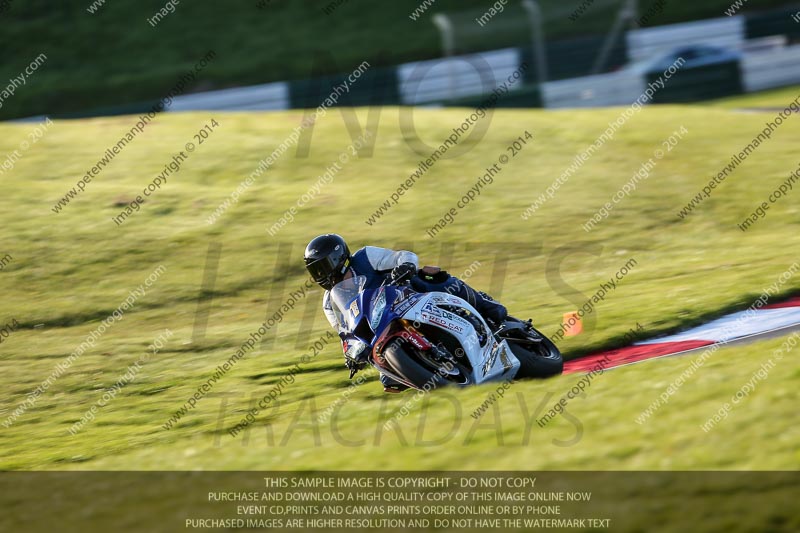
355 353
354 366
403 272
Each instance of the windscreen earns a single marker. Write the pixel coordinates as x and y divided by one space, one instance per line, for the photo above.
342 295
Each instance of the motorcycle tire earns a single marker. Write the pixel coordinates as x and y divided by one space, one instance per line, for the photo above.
544 362
404 364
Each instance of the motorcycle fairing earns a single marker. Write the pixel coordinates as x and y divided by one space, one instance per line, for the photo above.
494 361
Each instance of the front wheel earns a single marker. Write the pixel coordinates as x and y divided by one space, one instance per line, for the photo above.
537 360
421 373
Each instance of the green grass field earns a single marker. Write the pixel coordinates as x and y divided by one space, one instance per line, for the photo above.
69 271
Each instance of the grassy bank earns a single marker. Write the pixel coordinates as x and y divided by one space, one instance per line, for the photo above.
70 270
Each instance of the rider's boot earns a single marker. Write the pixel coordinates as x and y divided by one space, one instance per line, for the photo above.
494 312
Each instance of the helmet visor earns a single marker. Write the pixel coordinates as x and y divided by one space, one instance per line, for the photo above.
322 270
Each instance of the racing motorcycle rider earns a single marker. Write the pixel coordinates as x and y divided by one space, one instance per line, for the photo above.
329 261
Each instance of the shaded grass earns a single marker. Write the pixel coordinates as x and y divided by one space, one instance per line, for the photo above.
114 57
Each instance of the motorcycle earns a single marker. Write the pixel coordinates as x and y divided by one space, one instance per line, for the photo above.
432 339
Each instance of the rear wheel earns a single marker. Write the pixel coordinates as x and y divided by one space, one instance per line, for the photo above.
421 372
540 359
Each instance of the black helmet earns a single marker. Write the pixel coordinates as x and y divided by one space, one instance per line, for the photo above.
327 258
